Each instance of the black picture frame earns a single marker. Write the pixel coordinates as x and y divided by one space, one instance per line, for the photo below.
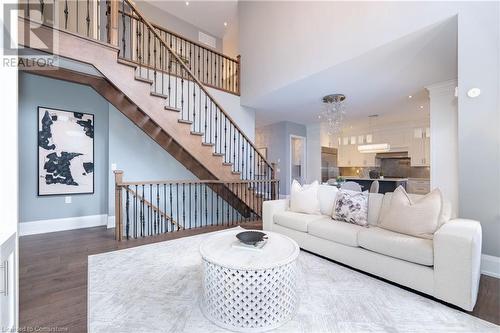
38 152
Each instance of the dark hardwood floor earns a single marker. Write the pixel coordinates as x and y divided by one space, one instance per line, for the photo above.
53 277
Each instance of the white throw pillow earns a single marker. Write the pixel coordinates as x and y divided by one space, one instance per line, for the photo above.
326 197
419 218
351 207
304 199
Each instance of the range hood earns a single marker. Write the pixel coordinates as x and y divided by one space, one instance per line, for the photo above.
394 155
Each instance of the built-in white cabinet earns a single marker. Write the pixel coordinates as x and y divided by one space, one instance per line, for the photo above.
419 148
349 156
8 293
418 186
414 140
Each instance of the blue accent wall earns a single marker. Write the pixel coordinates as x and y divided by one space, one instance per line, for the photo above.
37 91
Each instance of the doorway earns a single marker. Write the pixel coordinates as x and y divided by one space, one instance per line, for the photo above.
297 158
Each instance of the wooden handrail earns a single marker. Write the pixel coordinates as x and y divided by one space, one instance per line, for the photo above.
162 182
194 78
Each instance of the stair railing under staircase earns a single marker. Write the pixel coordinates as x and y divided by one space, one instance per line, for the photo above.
168 72
149 208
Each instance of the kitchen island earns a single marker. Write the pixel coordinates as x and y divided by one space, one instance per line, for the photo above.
385 185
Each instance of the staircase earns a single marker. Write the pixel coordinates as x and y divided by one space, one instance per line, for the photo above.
156 83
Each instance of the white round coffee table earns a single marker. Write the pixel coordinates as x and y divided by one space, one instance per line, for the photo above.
249 290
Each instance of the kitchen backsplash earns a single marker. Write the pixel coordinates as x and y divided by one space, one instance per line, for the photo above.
413 172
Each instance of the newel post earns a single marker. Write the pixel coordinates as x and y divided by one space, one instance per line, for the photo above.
118 205
238 75
274 182
113 17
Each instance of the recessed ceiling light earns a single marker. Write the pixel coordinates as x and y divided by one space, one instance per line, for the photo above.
187 3
410 96
421 106
225 24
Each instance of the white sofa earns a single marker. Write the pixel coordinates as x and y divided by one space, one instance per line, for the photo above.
446 267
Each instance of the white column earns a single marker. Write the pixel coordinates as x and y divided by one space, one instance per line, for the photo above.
444 140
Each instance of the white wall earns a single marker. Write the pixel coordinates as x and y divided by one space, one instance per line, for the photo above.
444 140
173 23
284 41
242 115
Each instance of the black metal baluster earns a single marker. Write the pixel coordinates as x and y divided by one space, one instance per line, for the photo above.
158 217
225 139
184 206
205 132
217 203
127 213
143 224
123 26
177 201
135 212
195 205
206 208
87 19
66 13
172 209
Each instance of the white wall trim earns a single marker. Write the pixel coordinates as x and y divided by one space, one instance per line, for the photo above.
490 265
52 225
111 222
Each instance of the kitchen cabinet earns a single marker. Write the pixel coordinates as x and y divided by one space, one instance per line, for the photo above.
8 280
349 156
419 152
418 186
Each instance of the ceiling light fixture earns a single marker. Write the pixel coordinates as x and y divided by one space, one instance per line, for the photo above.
225 24
375 147
410 96
421 106
187 3
333 112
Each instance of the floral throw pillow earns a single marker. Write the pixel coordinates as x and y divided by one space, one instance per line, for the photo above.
351 207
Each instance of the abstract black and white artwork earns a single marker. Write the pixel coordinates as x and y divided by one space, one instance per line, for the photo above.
65 152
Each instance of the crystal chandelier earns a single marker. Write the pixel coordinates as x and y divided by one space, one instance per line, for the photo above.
333 112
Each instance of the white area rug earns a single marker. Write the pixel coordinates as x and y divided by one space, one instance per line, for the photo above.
156 288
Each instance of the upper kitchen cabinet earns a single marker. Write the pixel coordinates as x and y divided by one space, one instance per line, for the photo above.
419 149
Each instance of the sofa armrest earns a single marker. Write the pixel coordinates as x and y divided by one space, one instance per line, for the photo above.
457 258
269 208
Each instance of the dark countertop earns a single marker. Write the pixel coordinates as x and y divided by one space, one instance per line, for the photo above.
380 180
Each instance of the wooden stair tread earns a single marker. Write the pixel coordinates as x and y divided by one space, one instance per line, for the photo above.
171 108
218 154
127 63
184 121
227 164
208 144
142 79
197 133
156 94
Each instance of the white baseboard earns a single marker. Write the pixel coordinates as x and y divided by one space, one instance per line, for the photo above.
490 265
43 226
111 222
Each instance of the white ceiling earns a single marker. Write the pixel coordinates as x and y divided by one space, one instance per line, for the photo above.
376 82
207 15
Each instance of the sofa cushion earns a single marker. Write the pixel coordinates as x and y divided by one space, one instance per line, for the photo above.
409 248
296 221
304 199
418 218
337 231
326 197
374 205
351 206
